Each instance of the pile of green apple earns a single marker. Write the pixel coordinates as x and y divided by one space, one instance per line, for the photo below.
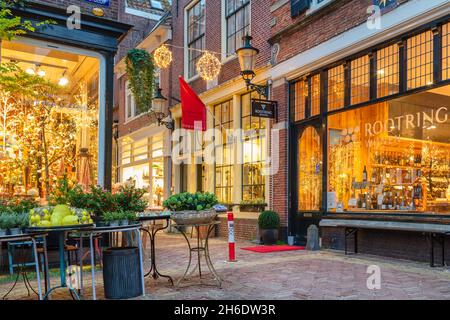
60 215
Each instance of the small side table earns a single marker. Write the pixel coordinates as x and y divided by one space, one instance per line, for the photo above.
201 247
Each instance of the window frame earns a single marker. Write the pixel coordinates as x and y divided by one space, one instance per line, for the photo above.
225 35
189 42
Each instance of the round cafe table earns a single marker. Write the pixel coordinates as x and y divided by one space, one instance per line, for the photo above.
61 233
201 248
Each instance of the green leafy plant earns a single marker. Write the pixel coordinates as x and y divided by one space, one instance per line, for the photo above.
108 216
21 205
8 221
259 202
130 198
131 216
190 201
77 198
141 75
269 220
101 201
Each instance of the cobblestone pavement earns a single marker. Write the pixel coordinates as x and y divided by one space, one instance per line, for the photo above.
282 275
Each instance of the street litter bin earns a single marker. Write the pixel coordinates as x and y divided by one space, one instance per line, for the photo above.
121 273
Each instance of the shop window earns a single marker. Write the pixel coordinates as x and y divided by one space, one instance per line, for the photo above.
315 95
54 95
387 71
310 171
195 38
125 153
300 96
335 88
420 60
237 15
392 157
254 152
223 114
360 80
446 51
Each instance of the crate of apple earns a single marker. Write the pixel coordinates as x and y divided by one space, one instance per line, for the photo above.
59 216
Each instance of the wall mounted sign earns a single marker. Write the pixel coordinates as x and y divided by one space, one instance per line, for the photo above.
100 2
264 108
385 4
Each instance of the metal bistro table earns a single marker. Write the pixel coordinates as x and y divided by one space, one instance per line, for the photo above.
202 247
100 230
21 271
61 232
152 231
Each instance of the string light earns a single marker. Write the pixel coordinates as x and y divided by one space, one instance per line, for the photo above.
163 57
208 66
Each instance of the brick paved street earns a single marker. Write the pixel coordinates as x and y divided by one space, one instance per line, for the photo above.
285 275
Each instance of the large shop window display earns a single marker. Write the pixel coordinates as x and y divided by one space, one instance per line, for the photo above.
392 156
49 119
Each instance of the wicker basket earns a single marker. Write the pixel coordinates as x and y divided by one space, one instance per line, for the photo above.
191 217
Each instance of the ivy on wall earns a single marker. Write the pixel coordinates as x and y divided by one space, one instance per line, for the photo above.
141 76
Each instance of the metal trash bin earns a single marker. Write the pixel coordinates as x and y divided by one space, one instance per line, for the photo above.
121 273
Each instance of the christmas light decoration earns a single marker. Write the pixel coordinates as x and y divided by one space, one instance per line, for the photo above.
208 66
162 57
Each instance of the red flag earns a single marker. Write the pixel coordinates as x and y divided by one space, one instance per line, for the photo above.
192 108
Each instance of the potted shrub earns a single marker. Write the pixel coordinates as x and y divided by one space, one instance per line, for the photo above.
123 218
256 205
14 224
131 217
269 222
110 219
192 208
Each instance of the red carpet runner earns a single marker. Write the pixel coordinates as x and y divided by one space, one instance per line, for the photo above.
267 249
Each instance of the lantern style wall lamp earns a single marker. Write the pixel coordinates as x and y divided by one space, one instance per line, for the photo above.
158 104
247 60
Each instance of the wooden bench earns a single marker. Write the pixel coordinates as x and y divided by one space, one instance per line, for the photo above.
435 232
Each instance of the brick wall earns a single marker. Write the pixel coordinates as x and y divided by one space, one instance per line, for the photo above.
260 30
301 33
244 229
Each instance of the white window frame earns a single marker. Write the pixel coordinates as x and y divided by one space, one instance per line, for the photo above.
315 5
186 49
134 114
228 56
142 14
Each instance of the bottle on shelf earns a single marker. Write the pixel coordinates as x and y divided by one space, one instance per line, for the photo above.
365 174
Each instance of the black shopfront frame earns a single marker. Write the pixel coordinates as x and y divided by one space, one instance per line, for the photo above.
299 221
99 35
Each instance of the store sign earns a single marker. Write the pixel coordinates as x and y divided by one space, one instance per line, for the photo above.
100 2
402 123
385 4
264 108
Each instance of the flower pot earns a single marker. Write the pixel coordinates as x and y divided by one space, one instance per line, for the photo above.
269 236
15 231
2 232
193 217
124 222
114 223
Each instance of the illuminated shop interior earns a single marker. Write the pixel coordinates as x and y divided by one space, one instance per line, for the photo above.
387 131
49 119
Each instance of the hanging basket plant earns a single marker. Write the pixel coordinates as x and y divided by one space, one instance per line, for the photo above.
141 76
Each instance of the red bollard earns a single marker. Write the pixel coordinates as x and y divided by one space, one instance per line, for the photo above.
231 247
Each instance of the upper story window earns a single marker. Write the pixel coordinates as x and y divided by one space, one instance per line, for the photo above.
237 15
195 36
310 6
317 4
131 111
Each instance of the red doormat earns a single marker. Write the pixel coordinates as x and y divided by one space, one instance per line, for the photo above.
267 249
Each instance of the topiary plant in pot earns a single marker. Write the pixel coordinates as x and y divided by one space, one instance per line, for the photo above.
269 222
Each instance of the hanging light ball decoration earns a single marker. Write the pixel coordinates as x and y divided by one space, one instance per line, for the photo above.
208 66
162 57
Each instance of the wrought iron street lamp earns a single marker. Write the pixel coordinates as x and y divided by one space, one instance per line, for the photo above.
158 104
247 55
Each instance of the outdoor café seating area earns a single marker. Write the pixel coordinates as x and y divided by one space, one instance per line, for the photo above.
58 248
